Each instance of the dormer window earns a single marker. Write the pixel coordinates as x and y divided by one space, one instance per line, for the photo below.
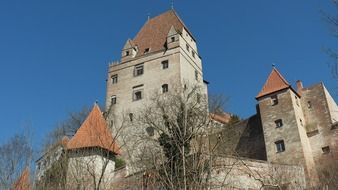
127 53
146 50
172 39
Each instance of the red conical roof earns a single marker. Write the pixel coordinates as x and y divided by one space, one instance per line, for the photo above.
274 83
94 132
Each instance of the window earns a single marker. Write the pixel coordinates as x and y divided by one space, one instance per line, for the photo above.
146 50
280 146
113 99
274 100
297 101
188 48
326 150
334 125
150 131
137 95
165 88
309 105
193 54
114 79
279 123
196 74
127 53
131 116
172 39
165 64
138 70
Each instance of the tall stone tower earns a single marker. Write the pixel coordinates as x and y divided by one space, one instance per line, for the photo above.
284 125
162 57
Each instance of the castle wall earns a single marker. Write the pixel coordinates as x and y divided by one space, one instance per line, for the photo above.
239 173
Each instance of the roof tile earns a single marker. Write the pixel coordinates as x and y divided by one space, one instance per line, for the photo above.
274 83
94 132
153 34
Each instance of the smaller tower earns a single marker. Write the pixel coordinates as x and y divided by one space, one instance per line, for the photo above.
284 125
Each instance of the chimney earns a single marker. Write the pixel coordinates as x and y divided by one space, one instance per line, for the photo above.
299 86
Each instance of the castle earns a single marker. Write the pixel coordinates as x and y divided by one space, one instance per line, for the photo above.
293 129
292 126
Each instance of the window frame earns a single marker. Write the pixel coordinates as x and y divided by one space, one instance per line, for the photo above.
113 97
113 77
165 88
165 64
280 146
137 68
279 123
135 95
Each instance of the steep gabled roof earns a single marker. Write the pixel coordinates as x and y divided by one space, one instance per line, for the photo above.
23 183
94 132
154 32
274 83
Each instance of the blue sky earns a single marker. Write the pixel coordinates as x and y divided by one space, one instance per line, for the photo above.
54 54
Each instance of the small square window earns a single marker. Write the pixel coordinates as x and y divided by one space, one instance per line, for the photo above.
114 79
165 64
196 74
326 150
279 123
274 100
334 125
127 53
146 50
137 95
193 54
172 39
309 104
138 70
113 99
165 88
187 47
280 146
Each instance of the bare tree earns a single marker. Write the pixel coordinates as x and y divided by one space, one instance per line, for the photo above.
92 167
332 20
15 156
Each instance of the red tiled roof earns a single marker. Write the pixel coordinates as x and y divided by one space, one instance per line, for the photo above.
222 118
153 34
23 183
274 83
94 132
